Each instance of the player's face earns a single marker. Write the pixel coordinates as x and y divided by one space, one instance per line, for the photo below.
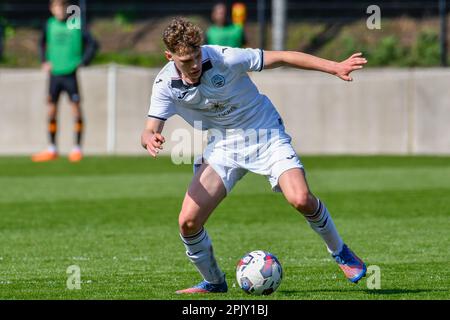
190 65
58 11
219 14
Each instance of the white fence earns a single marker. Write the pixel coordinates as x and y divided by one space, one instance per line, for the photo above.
384 111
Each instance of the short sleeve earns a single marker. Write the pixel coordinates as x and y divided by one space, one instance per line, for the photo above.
161 104
244 60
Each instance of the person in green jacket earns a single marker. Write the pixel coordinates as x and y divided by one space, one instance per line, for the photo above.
64 47
223 32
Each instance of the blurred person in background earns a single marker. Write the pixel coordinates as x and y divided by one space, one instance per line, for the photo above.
239 13
63 49
223 32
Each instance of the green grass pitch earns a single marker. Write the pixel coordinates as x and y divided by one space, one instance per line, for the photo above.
116 218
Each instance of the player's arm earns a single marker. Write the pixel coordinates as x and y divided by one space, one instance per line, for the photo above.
151 138
42 47
300 60
90 46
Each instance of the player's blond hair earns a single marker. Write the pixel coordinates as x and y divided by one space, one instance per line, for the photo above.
182 36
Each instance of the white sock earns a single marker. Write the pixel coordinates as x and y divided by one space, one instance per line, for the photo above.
76 148
321 222
200 251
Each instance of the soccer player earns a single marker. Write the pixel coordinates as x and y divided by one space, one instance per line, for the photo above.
210 84
63 49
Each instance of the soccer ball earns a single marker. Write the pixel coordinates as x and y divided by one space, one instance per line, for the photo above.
259 273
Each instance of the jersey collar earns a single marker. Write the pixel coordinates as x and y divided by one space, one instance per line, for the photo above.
178 83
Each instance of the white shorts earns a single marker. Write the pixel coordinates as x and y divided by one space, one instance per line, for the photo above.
267 153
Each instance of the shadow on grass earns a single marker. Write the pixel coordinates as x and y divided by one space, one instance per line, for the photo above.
402 291
373 292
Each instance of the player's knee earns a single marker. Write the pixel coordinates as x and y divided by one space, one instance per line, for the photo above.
302 202
188 226
77 111
52 111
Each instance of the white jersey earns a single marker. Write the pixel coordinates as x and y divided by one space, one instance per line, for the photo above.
227 102
225 97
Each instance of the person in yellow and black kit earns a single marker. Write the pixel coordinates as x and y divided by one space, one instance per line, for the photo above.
63 49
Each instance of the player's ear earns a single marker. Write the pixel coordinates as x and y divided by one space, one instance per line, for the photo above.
168 55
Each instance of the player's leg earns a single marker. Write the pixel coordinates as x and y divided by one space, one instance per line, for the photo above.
204 194
52 123
295 188
76 153
71 86
51 152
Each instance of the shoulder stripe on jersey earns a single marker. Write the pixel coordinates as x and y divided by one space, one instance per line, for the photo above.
159 118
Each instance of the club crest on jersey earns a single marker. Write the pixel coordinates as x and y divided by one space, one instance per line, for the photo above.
218 81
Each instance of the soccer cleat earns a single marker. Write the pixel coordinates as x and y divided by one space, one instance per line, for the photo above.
75 156
206 287
352 266
44 156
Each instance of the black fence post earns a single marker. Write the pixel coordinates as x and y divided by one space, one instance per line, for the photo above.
2 32
262 23
443 19
83 8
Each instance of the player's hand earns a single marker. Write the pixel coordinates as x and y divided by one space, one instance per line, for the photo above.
354 62
46 67
153 143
